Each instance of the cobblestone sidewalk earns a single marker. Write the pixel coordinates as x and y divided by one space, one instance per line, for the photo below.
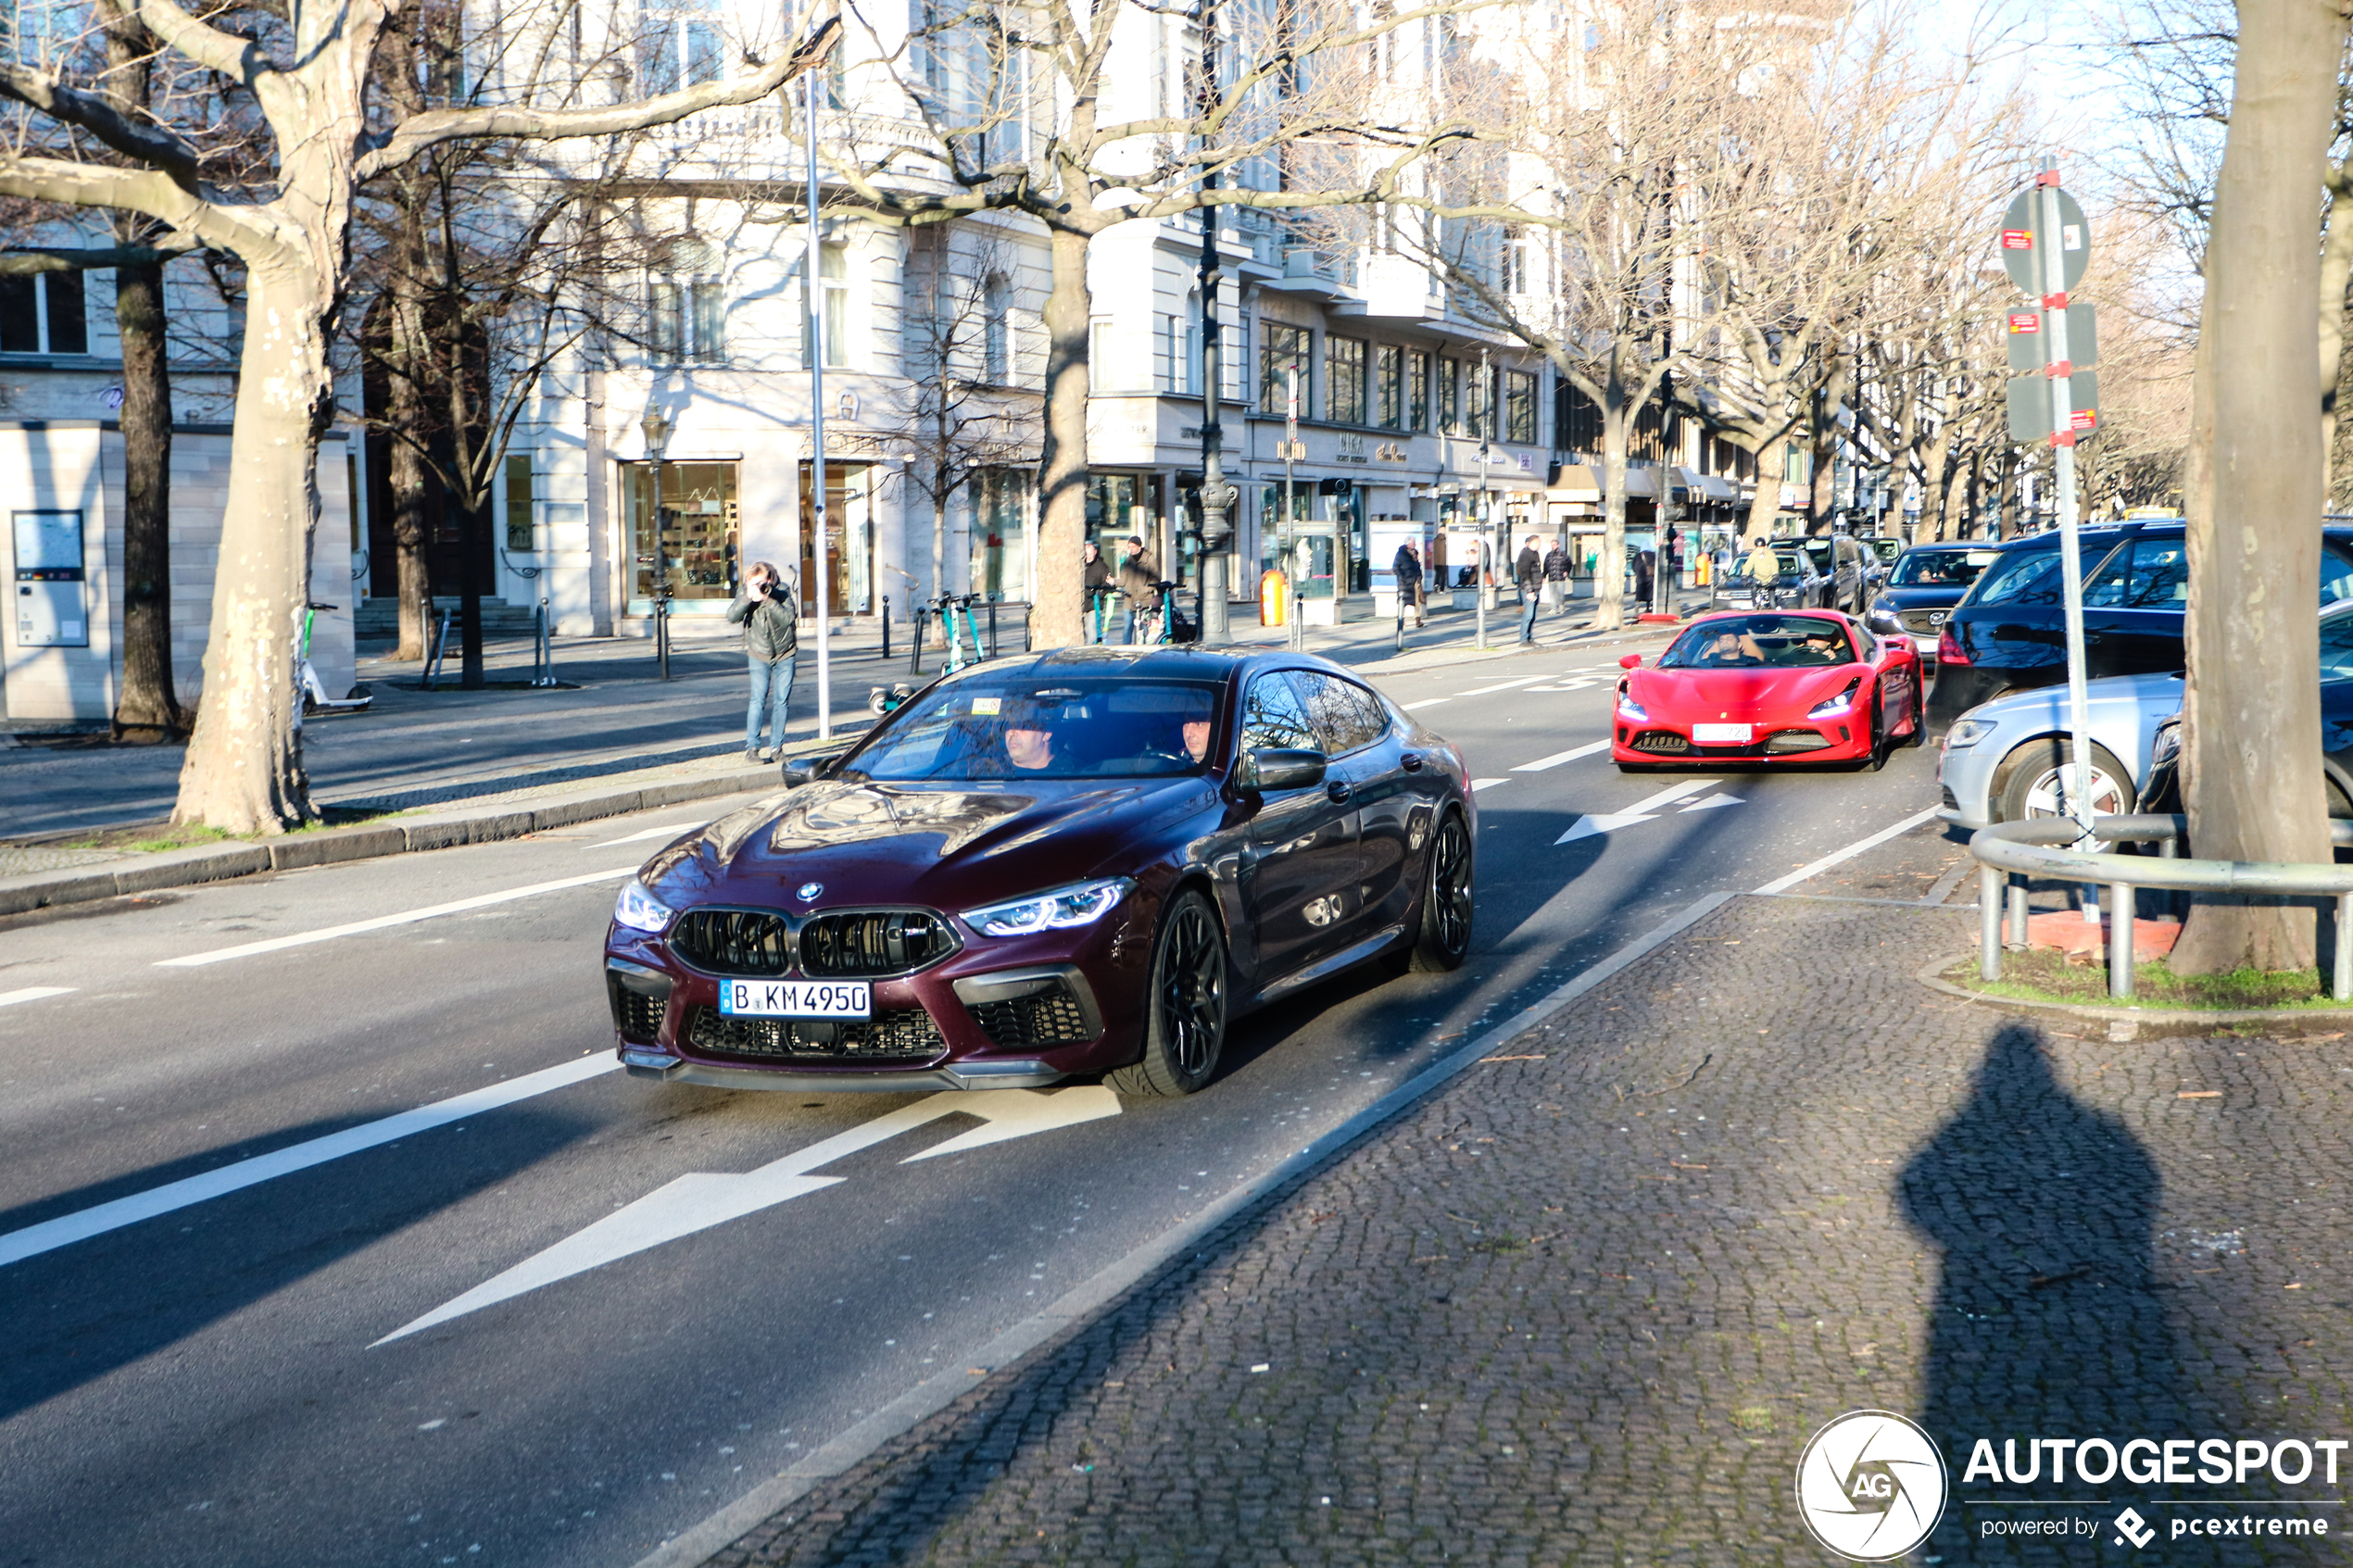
1586 1305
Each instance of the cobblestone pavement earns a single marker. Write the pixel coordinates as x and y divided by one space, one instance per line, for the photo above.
1586 1305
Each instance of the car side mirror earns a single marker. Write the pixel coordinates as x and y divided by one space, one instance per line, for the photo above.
808 770
1280 768
1630 661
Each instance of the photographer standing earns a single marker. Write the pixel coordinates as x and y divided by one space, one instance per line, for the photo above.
772 636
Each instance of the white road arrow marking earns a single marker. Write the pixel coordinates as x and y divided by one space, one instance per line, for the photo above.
32 994
672 829
699 1201
382 922
1477 784
1557 758
1640 812
1714 801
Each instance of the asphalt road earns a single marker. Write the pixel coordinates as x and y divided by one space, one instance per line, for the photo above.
201 1376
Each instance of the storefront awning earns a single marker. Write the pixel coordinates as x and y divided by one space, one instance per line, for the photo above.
1574 481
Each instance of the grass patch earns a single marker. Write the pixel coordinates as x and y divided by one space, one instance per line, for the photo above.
2043 975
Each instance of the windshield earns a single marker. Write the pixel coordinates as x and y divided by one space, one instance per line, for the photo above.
1886 549
1941 568
1054 727
1759 642
2032 576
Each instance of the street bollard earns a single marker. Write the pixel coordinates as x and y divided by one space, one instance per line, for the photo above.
2017 913
2342 988
992 628
2120 939
1989 923
915 641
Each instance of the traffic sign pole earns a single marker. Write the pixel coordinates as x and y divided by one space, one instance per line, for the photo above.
2054 248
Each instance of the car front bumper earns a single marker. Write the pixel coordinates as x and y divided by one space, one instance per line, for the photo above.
1651 742
1964 780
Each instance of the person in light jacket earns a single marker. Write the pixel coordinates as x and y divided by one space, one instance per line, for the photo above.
771 637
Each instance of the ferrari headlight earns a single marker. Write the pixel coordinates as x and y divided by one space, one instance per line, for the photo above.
1967 731
2168 745
639 909
1628 709
1839 706
1057 909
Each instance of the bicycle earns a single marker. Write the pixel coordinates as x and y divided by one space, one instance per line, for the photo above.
880 701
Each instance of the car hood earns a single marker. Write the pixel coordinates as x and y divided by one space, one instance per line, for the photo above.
1925 597
947 846
1705 694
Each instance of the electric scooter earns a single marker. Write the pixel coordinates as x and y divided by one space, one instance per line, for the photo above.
314 696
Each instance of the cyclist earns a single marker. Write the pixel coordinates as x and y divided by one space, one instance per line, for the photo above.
1138 575
1096 588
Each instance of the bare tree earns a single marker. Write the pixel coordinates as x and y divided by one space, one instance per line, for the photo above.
310 76
2251 745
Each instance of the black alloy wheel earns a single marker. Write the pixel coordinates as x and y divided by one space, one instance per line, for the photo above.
1877 758
1919 711
1444 939
1184 1030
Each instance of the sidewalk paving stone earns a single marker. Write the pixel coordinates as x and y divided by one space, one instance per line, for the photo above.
1585 1304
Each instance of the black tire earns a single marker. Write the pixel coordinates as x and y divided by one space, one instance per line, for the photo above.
1448 876
1920 712
1184 1009
2028 775
1876 758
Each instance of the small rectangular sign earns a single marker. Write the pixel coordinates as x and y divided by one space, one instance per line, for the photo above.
2026 320
2085 419
2017 239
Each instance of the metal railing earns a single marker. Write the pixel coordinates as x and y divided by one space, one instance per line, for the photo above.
2034 848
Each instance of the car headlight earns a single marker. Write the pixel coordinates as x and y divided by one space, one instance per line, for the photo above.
1057 909
639 909
2168 745
1967 731
1628 709
1839 706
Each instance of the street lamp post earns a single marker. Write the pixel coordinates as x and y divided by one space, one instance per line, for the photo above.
1486 551
812 259
657 432
1216 496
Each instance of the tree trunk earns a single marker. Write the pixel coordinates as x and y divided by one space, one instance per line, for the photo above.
938 552
409 480
2251 752
1609 575
472 540
149 710
1764 504
244 771
1058 618
2336 274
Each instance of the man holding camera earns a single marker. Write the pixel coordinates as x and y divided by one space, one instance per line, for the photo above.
771 637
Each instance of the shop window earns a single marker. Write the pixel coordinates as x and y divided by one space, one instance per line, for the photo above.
1388 384
519 499
1417 389
1281 350
698 529
999 499
1519 406
1344 380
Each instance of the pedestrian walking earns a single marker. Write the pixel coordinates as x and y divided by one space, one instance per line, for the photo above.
1137 575
771 637
1674 564
1645 573
1556 577
1097 588
1408 569
1528 570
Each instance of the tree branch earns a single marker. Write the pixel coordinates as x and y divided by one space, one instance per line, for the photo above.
240 59
430 129
24 262
101 118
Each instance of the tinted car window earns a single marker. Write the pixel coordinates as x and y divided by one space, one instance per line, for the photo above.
2145 575
1054 727
2337 648
1940 568
1274 716
2028 577
1751 642
1346 716
2336 577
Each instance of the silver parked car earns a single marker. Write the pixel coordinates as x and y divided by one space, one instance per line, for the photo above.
2001 759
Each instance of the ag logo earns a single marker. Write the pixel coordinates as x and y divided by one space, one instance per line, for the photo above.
1871 1485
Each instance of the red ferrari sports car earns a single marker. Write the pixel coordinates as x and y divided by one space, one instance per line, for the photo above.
1811 686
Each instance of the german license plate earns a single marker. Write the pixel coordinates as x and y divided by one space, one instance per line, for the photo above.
795 998
1722 734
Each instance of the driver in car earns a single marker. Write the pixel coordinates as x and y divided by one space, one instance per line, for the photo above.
1197 738
1029 749
1734 647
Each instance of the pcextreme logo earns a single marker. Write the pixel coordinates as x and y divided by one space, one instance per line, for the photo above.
1871 1485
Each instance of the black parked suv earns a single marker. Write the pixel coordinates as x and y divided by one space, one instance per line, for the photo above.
2009 632
1929 580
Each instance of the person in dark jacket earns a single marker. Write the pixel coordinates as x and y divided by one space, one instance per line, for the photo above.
771 638
1556 575
1096 585
1645 571
1528 570
1138 572
1408 569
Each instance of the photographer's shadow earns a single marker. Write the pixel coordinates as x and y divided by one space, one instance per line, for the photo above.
2049 1319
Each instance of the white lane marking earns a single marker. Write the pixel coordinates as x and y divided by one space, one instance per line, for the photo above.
1477 784
32 994
1718 799
647 832
406 917
66 1229
1427 702
1609 822
1504 686
699 1201
1781 883
1557 758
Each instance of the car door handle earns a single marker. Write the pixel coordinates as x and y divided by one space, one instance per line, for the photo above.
1411 762
1339 790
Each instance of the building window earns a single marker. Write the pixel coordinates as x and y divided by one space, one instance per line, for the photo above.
1344 380
1479 416
1519 406
1281 350
1449 397
1389 386
1793 464
1101 335
43 314
519 499
674 32
999 554
995 331
1515 259
699 529
833 277
688 320
1417 389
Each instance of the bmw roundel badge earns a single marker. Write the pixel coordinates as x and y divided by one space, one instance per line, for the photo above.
808 890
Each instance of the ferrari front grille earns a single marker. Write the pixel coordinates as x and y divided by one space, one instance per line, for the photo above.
1781 743
874 944
893 1037
1661 740
733 941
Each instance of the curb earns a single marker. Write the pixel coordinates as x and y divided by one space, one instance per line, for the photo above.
717 1531
1931 975
440 830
